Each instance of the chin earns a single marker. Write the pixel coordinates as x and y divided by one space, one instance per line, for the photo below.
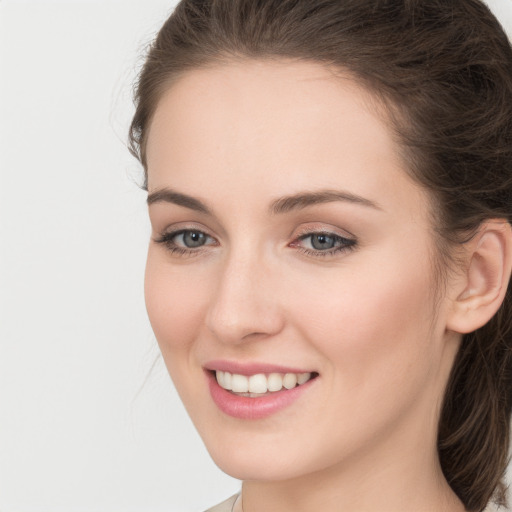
243 468
267 458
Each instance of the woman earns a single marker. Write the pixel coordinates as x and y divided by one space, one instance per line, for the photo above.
330 192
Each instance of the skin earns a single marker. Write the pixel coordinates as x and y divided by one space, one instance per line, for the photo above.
238 137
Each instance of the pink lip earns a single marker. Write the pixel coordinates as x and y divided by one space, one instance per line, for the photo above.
248 408
250 368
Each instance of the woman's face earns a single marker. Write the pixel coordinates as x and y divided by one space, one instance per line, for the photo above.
287 238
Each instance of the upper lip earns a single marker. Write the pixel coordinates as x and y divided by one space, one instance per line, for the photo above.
252 368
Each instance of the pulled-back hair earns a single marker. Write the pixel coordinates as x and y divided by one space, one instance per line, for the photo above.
443 69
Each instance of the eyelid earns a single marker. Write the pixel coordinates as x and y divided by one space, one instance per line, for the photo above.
179 227
343 241
175 234
346 242
167 236
325 229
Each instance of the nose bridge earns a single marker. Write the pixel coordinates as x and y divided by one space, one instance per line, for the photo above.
245 302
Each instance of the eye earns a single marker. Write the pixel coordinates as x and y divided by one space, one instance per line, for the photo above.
191 239
323 243
185 241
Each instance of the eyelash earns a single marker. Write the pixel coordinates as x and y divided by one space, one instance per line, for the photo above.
167 240
343 244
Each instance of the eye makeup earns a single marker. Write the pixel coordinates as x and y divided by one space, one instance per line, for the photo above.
317 243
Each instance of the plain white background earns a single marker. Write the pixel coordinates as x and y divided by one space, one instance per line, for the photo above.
85 426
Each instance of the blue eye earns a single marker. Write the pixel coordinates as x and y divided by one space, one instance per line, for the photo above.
323 244
185 241
191 239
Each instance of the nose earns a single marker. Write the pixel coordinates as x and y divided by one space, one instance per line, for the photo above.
245 304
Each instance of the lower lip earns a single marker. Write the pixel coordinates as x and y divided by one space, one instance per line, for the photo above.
247 408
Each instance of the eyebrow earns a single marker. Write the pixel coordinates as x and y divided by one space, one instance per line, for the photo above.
304 199
279 206
166 195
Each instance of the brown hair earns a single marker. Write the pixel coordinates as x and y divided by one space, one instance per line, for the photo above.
444 70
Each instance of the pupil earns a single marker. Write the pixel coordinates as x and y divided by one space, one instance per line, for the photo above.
194 239
322 242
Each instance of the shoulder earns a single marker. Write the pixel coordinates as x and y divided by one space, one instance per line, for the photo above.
491 507
225 506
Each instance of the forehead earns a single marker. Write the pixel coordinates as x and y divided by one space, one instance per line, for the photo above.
289 125
247 99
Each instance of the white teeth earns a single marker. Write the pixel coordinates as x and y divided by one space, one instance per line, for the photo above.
302 378
227 380
275 382
239 383
220 379
260 383
290 380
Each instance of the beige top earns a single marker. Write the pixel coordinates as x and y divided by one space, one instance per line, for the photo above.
227 506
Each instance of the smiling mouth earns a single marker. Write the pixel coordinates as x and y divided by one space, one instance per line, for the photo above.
261 384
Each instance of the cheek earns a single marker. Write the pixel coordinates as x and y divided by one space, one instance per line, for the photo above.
372 321
175 302
374 332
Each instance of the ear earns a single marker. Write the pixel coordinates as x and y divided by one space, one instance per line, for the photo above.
480 290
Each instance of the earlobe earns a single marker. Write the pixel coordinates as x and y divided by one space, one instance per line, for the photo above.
485 279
